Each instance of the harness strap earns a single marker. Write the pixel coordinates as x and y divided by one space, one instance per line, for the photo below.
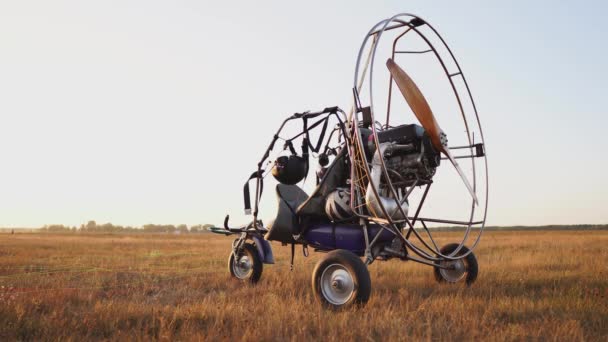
305 156
246 195
316 148
289 145
293 253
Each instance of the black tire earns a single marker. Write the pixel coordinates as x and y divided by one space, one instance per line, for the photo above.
346 280
471 268
252 271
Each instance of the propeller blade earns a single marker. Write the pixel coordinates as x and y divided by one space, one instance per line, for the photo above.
417 102
414 98
446 151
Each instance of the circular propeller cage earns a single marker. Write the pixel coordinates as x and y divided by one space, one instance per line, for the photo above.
406 226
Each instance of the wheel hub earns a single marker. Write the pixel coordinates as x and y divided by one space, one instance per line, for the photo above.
337 284
243 266
454 270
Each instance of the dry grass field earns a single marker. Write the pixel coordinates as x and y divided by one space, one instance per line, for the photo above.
537 285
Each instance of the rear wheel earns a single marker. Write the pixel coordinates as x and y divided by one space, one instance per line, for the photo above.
340 279
246 265
465 268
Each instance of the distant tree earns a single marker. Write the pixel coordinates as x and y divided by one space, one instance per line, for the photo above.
91 225
157 228
182 229
55 228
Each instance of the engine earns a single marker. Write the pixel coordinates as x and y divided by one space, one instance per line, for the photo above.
411 156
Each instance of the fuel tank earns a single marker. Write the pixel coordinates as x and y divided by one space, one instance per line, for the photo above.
328 236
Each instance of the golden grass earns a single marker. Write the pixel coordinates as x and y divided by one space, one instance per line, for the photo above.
547 285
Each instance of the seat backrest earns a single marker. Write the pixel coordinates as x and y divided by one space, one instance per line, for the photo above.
335 176
292 194
285 224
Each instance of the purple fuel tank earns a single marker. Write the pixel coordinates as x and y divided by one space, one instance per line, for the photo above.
328 236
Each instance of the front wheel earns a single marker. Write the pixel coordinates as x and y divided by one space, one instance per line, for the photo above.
340 279
463 268
246 265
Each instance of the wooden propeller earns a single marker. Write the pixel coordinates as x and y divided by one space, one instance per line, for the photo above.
414 98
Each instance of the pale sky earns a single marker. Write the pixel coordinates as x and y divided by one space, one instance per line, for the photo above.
136 112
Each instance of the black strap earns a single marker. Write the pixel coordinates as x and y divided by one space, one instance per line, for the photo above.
293 253
305 156
316 148
342 130
289 145
246 195
342 127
